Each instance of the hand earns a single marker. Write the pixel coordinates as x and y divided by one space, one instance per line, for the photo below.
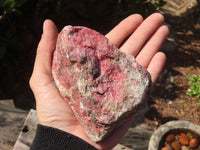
145 39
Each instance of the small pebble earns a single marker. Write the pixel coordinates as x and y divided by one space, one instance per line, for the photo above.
169 101
193 143
170 138
184 148
175 145
189 135
183 139
165 148
169 87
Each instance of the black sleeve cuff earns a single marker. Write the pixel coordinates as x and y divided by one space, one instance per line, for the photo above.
48 138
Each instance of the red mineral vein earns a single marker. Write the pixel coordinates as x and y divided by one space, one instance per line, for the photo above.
102 85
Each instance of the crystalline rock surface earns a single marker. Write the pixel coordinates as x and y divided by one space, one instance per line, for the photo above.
102 85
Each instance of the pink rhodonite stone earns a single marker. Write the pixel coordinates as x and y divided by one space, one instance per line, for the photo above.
102 85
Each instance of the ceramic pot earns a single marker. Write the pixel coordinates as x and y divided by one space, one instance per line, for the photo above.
157 137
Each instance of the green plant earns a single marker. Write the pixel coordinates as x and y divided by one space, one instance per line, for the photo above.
194 89
181 102
158 3
7 5
10 6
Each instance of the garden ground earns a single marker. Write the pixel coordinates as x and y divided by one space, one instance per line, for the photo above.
169 99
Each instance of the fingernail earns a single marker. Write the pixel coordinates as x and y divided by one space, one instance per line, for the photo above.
44 26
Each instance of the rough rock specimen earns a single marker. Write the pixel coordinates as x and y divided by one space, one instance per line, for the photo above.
102 85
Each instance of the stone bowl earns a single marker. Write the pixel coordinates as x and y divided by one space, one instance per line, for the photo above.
158 136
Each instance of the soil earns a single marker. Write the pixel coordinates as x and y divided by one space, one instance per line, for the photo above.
169 100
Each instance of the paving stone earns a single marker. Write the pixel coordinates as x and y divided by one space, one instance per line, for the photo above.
11 122
137 138
177 7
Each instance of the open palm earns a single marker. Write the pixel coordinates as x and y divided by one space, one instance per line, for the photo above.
145 39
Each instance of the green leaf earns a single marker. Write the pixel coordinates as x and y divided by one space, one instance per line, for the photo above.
194 89
9 4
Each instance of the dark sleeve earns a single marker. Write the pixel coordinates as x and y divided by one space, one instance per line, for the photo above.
48 138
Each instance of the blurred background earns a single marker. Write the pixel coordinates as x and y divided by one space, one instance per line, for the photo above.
21 28
176 94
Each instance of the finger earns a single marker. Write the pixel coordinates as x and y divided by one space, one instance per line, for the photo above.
156 65
117 35
42 68
152 46
136 41
45 48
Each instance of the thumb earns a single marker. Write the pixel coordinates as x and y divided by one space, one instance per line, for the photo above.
46 47
42 67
